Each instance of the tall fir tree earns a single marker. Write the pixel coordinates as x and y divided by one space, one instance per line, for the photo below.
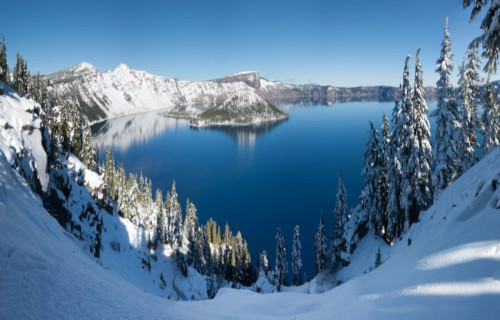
4 67
264 267
469 93
490 120
76 137
109 172
405 131
320 246
281 266
88 151
371 199
296 258
447 120
341 217
383 186
191 225
417 182
394 175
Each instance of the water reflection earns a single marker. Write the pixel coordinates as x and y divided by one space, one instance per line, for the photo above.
245 136
123 132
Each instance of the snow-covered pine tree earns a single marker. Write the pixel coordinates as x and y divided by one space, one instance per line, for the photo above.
191 230
372 167
173 215
320 246
281 266
264 267
21 76
207 253
150 211
394 175
76 137
109 172
296 258
120 180
469 93
417 187
490 39
447 120
383 186
405 131
341 217
3 61
88 151
490 120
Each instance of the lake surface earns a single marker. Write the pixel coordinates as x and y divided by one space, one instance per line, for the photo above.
257 179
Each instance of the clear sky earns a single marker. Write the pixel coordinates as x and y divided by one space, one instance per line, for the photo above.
340 43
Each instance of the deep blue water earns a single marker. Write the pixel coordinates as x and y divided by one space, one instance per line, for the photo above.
256 179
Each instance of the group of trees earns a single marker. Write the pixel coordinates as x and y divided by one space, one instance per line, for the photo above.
203 246
398 164
279 276
20 78
337 252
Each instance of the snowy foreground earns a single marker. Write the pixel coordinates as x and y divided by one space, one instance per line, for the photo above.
450 270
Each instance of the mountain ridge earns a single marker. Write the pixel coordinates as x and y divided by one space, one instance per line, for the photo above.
101 95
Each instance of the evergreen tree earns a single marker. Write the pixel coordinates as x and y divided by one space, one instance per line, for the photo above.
296 258
469 92
191 231
4 68
383 186
88 151
394 179
264 267
281 266
109 172
76 138
341 217
490 39
371 199
26 78
417 183
320 246
39 91
406 136
490 120
447 120
65 130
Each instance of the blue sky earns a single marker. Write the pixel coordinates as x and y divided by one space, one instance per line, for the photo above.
341 43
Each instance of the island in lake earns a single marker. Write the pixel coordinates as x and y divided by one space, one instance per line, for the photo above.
241 109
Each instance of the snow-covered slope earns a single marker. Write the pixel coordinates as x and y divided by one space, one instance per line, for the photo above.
240 109
450 270
125 91
21 136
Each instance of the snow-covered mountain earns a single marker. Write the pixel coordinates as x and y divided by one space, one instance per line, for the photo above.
240 109
123 90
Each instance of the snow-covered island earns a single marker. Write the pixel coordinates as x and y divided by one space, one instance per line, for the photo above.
241 109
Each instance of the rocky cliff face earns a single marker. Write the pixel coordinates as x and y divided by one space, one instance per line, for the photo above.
125 91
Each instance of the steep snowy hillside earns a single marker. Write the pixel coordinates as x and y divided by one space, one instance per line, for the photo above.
76 197
449 269
241 109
